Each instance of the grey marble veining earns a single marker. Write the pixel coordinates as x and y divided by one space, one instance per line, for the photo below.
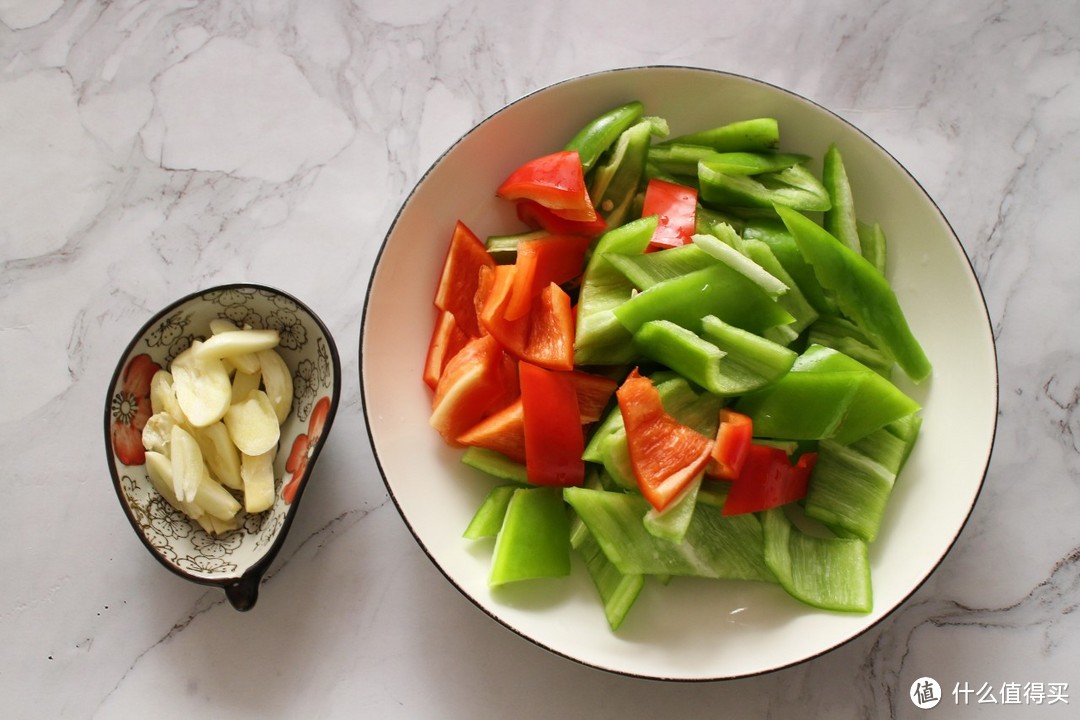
137 165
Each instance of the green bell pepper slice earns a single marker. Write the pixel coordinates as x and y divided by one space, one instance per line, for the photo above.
599 134
839 219
794 187
534 540
715 290
751 135
860 291
600 338
614 183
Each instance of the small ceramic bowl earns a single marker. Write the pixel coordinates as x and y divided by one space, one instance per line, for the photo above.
237 560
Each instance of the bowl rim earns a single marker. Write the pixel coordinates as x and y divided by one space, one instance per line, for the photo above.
240 588
832 114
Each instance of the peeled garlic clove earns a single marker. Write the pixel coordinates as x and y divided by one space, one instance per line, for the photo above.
258 474
163 396
220 454
215 500
159 470
235 343
202 385
278 382
188 468
253 424
157 433
244 382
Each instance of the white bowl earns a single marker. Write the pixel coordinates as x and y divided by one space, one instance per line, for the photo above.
690 629
235 561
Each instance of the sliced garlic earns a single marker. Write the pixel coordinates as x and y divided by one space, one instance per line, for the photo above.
202 385
159 470
244 382
215 499
157 433
253 424
220 454
235 343
277 381
188 468
258 474
163 396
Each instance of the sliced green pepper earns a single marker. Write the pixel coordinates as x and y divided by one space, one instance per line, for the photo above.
747 163
743 136
600 339
715 290
534 540
794 187
774 233
861 292
614 183
839 219
600 133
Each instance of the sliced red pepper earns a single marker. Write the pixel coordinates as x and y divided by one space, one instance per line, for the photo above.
545 336
732 445
675 207
479 380
447 339
554 440
593 393
665 454
539 217
553 259
503 432
556 181
768 480
460 278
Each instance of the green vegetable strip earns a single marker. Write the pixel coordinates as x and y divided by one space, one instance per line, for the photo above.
649 269
849 489
750 361
534 540
725 251
494 464
745 135
714 546
618 591
773 233
840 334
861 293
873 243
796 187
504 247
599 134
715 290
679 158
747 163
615 183
674 522
489 516
600 337
794 301
829 573
839 219
685 352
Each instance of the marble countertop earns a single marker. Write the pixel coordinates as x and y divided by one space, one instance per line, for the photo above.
153 148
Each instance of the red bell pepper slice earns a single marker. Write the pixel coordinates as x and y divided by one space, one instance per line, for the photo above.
665 454
593 393
479 380
554 439
732 446
545 336
553 259
539 217
768 480
460 278
556 181
447 339
503 432
675 207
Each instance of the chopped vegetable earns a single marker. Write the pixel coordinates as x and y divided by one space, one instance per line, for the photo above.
668 360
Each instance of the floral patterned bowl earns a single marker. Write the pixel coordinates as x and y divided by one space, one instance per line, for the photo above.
237 560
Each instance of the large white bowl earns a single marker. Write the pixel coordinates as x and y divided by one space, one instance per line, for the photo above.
690 629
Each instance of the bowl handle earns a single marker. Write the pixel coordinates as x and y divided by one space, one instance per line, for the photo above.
243 593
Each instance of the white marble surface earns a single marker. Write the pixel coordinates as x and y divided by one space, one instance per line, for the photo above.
150 148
